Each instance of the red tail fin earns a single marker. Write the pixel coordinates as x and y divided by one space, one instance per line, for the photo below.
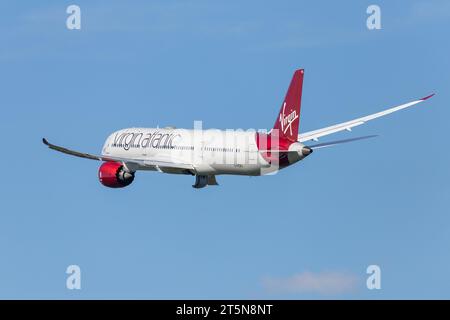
289 116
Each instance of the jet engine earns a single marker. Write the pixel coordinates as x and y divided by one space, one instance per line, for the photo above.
113 175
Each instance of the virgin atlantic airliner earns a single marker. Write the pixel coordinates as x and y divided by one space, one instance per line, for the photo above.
208 153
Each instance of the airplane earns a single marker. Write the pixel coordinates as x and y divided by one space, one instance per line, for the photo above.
206 154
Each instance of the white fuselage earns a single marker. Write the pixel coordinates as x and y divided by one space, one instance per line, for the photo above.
209 152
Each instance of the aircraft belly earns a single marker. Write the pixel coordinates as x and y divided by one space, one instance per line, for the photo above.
239 169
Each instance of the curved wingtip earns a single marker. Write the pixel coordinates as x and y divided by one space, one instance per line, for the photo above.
44 141
427 97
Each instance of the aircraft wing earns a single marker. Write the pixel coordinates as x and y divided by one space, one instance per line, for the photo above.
159 165
315 134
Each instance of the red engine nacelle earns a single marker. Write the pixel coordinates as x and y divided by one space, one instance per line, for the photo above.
113 175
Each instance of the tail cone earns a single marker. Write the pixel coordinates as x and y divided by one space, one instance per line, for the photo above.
306 151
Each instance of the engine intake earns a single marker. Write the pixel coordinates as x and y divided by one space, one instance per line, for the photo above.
113 175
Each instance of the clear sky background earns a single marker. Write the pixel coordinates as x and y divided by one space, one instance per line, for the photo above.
308 232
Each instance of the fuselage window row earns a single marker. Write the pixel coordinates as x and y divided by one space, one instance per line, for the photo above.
213 149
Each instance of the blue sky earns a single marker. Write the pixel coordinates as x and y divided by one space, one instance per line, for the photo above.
308 232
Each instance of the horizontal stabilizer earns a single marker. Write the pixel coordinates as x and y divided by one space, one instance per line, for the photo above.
333 143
